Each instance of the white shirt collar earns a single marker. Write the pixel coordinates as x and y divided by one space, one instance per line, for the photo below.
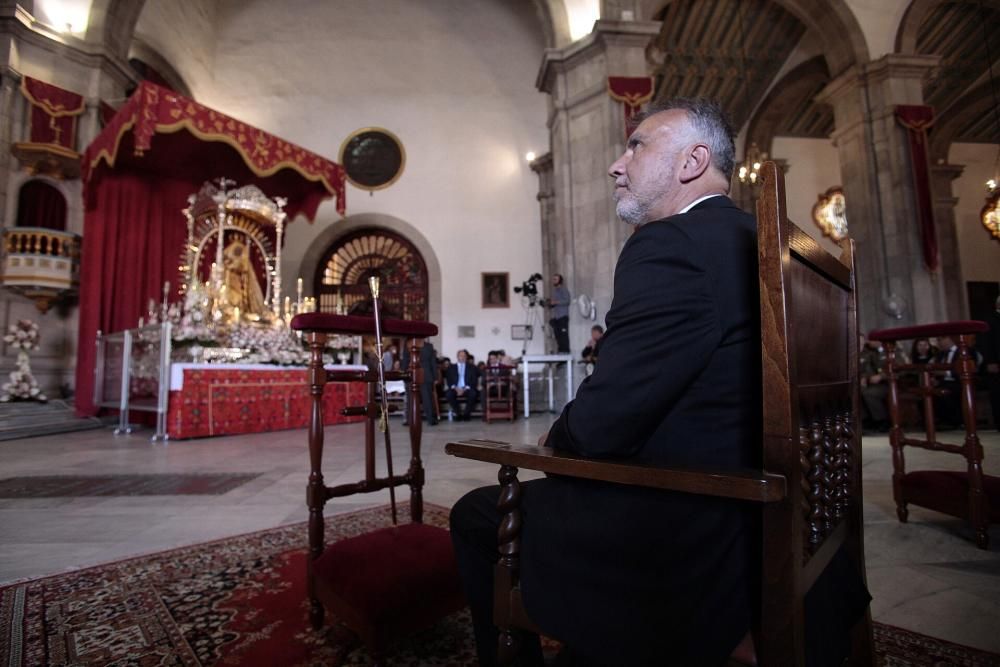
698 201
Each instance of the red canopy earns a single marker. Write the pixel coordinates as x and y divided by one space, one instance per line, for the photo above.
137 174
167 134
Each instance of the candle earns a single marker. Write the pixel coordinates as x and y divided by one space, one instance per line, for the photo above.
236 314
298 294
288 305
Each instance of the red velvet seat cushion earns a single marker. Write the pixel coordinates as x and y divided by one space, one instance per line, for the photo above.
929 330
360 324
948 491
392 575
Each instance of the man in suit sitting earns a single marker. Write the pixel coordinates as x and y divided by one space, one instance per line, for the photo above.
627 575
463 379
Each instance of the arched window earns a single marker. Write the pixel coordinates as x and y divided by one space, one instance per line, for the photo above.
341 281
41 205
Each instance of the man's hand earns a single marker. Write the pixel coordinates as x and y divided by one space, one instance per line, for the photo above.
460 391
993 368
543 439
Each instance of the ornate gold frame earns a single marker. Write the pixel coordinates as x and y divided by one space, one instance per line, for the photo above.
391 135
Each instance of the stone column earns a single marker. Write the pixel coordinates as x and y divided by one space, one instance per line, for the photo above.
878 186
942 175
587 133
542 166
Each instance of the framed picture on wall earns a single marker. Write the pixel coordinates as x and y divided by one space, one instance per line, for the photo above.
496 290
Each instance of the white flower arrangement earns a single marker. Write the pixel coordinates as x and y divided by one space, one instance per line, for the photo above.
22 386
22 336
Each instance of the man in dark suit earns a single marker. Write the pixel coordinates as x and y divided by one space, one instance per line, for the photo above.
463 380
625 575
428 364
989 345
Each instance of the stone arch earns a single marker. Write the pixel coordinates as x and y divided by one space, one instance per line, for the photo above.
555 22
788 99
976 105
112 23
352 223
142 51
915 15
831 21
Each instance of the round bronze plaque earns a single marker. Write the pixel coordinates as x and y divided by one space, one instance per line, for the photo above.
373 158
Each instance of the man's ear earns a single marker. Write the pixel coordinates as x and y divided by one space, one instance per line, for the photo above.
697 161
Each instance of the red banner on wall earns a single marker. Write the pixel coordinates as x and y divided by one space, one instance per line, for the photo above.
53 113
917 119
633 92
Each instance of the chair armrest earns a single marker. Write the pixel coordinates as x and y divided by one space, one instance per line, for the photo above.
748 485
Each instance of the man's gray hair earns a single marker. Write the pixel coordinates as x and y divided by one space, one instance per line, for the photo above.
710 123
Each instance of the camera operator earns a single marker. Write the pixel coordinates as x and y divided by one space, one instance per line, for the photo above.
559 303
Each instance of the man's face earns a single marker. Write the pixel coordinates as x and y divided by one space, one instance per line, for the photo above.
462 356
645 173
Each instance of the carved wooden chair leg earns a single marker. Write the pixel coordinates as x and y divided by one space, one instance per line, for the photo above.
509 546
315 614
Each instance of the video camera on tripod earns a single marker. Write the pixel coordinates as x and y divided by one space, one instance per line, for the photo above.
529 290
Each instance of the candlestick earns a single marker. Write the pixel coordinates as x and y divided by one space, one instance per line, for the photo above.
236 314
298 295
288 306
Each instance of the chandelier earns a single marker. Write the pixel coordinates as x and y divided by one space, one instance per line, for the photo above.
750 169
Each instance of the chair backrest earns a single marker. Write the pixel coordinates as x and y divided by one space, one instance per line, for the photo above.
811 429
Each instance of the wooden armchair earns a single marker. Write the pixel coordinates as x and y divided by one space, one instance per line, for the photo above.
393 581
809 488
970 495
499 393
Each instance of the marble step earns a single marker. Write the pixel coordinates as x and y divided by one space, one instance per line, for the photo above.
27 419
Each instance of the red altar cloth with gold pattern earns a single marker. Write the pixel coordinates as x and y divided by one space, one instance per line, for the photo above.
231 401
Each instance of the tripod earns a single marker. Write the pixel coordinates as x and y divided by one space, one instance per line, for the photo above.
533 321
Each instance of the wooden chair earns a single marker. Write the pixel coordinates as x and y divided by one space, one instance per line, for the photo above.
499 393
809 488
393 581
969 495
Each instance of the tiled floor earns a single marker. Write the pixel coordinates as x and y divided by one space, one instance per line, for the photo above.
925 576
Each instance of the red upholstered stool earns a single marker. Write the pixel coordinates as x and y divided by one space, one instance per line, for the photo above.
393 581
970 495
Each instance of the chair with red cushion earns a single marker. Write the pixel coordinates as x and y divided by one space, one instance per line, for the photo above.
969 495
393 581
499 395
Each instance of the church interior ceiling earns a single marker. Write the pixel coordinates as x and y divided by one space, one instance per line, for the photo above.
733 50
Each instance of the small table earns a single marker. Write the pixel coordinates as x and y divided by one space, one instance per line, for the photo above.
549 359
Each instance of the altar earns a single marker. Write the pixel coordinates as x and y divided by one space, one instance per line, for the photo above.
230 399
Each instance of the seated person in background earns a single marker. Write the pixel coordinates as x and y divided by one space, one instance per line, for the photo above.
589 353
948 408
495 367
922 352
874 387
463 380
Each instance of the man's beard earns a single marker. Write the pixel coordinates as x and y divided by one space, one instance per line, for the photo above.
631 210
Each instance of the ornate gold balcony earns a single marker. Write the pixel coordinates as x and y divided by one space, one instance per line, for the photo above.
41 264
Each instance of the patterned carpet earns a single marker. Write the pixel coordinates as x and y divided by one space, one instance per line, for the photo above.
75 486
241 601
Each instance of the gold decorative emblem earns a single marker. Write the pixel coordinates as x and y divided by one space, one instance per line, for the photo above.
830 213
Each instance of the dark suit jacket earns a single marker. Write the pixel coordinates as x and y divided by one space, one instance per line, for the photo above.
428 362
679 381
471 375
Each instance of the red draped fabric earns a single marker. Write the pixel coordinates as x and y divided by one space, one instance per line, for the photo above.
41 205
53 113
917 119
633 92
137 176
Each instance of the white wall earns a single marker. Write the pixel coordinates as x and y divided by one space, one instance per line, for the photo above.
453 79
813 168
979 253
